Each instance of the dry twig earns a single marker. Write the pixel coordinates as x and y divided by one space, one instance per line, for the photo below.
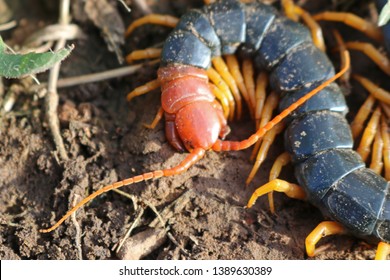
51 100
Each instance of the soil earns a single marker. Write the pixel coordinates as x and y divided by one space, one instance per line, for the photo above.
106 141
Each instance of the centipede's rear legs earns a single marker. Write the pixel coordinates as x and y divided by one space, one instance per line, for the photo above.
328 228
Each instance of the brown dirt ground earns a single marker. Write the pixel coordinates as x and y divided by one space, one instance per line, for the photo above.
106 142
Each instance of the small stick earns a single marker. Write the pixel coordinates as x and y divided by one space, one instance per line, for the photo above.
78 229
51 100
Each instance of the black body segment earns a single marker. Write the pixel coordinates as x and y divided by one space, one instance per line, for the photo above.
283 36
195 21
228 19
185 48
356 200
321 171
302 67
317 132
318 136
382 229
330 98
259 18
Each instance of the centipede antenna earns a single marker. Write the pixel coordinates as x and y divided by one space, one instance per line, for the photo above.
244 144
190 160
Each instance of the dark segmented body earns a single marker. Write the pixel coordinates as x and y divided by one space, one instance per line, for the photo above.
318 136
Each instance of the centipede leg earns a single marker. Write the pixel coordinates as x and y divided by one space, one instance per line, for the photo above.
156 120
280 161
148 53
152 85
369 134
165 20
270 105
260 96
382 251
266 143
295 12
289 10
374 90
368 28
357 124
222 98
377 153
217 80
386 148
234 69
248 75
289 189
223 70
323 229
342 48
375 55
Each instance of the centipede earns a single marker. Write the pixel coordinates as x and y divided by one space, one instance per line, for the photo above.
318 139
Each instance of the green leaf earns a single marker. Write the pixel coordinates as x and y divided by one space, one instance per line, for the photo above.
384 16
19 65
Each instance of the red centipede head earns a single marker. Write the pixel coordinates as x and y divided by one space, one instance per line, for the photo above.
187 99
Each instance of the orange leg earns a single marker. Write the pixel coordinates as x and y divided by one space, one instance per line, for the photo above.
368 49
223 70
385 109
289 10
342 48
217 80
248 73
234 69
295 12
357 124
323 229
386 147
152 85
260 94
266 143
368 28
383 251
377 92
143 54
221 98
165 20
377 153
157 119
291 190
270 105
280 161
369 134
